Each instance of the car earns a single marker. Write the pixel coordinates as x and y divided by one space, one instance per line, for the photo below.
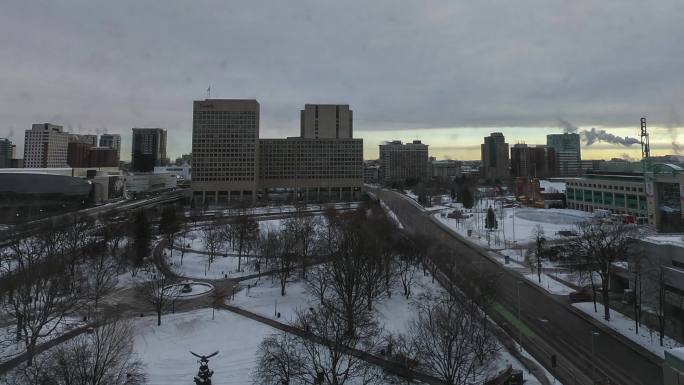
579 296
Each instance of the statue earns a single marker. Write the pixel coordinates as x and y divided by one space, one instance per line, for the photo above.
204 374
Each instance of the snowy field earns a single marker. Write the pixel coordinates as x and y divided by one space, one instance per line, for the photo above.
549 284
624 325
196 265
9 347
165 350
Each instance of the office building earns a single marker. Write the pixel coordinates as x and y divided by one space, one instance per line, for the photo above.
225 134
371 171
399 162
532 162
6 153
231 164
567 147
78 154
103 157
326 121
311 169
495 161
148 149
45 145
111 141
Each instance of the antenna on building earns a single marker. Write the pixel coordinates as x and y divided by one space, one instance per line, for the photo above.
209 92
645 147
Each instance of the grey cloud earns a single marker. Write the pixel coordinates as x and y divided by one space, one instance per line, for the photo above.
398 63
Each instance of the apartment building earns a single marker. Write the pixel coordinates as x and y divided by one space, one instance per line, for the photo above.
111 141
45 145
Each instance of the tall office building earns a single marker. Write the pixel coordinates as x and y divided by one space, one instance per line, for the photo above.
403 161
225 134
80 138
111 141
6 153
148 149
45 145
567 147
495 161
533 162
326 121
78 154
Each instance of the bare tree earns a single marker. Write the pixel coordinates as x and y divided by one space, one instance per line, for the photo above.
212 240
41 299
279 361
101 277
77 239
159 291
140 234
303 229
599 245
245 230
170 226
449 342
103 357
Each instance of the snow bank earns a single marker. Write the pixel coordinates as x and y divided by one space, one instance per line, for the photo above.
624 325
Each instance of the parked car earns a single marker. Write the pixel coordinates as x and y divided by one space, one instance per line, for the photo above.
579 296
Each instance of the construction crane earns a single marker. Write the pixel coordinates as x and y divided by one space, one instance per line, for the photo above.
645 147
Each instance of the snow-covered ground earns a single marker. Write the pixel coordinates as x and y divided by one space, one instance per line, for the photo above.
9 347
196 265
165 350
624 325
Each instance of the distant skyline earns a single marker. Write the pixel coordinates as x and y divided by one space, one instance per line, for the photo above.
407 69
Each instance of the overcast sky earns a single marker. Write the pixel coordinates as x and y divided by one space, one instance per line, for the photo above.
448 72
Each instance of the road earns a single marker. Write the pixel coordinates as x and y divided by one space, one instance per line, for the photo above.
549 325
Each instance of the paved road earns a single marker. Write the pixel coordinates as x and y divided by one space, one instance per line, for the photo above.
549 325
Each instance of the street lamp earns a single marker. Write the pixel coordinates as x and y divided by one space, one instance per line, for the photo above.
593 354
519 319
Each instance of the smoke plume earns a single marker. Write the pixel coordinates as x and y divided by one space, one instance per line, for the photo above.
673 123
595 135
592 136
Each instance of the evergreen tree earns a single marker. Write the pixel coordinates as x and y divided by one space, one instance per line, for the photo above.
490 222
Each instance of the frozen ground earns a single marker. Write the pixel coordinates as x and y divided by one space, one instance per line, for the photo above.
624 325
165 350
9 347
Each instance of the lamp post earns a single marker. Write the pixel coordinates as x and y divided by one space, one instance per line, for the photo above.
519 318
593 354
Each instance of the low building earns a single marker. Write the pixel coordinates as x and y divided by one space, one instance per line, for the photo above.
371 172
620 192
182 172
149 182
541 193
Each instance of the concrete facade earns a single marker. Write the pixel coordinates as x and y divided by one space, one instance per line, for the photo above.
45 145
326 121
495 160
403 161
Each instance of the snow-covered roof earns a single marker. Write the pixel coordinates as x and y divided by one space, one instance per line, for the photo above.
552 186
674 240
677 353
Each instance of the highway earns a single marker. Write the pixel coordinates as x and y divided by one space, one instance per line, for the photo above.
586 353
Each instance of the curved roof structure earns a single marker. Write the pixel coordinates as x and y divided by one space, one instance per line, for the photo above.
31 183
